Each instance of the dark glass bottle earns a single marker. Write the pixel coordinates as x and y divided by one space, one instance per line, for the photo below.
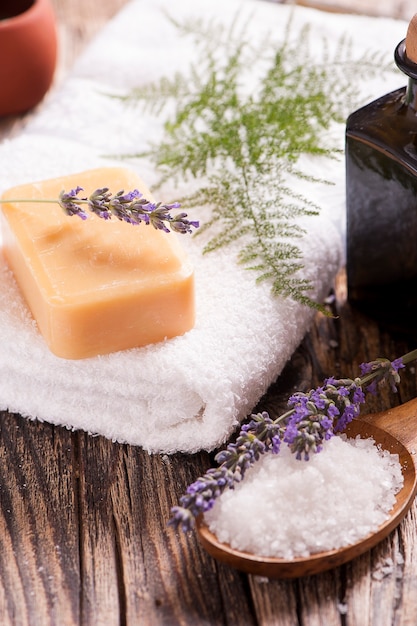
381 196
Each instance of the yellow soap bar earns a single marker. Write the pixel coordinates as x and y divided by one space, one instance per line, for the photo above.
96 286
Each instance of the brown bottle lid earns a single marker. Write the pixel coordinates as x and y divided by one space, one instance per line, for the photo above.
411 40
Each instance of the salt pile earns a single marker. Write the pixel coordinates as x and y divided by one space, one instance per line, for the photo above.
286 508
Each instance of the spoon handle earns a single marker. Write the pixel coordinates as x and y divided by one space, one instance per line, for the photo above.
400 422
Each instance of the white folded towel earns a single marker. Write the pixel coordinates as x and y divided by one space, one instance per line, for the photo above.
187 393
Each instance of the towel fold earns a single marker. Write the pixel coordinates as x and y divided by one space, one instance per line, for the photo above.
187 393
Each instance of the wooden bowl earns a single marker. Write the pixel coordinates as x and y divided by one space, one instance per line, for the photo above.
394 430
28 53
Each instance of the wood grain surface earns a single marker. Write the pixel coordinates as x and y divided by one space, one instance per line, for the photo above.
83 534
398 9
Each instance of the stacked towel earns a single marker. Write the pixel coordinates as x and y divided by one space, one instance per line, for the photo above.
190 392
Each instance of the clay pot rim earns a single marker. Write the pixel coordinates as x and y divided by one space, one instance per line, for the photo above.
20 18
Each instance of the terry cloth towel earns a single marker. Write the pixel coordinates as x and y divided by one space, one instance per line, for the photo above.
190 392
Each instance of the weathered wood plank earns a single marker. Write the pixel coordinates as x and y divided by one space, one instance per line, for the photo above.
276 601
407 601
39 567
403 9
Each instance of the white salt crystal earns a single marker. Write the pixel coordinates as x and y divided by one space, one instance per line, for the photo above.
342 607
286 508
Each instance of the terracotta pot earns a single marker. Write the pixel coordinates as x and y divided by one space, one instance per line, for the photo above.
28 52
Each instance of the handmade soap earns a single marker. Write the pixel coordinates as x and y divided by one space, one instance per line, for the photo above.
95 286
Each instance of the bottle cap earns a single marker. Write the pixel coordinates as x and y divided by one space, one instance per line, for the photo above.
411 40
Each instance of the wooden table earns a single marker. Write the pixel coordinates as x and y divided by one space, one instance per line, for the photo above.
83 535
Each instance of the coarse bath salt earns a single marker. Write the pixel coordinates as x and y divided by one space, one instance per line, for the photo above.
286 508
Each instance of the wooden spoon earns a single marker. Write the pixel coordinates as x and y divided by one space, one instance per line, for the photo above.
394 430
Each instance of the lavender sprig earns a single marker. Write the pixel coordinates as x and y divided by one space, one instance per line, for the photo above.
129 207
312 418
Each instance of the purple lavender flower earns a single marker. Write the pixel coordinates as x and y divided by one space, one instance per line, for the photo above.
181 225
158 216
397 364
71 203
98 203
383 370
365 368
130 207
200 496
129 196
311 419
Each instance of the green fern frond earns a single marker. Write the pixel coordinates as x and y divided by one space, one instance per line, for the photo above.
244 115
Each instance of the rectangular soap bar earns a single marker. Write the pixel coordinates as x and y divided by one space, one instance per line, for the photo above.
96 286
